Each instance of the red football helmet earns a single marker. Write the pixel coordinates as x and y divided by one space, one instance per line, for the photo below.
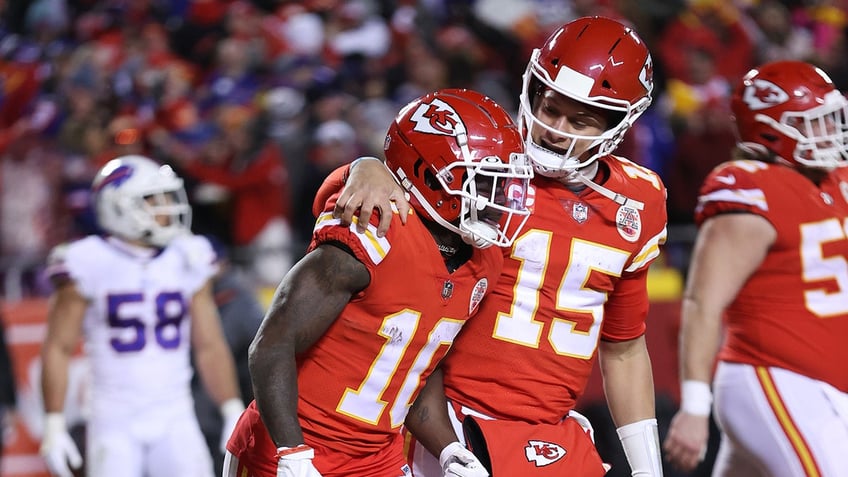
596 61
792 109
461 158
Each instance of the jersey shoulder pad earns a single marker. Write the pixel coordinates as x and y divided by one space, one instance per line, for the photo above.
197 253
635 181
735 186
367 246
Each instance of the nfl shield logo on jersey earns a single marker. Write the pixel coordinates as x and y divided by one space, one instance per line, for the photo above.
543 453
579 212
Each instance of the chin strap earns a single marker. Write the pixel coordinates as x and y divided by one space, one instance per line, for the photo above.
614 196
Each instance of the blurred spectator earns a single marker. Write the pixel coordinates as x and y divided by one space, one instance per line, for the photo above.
699 114
717 26
334 144
777 37
240 166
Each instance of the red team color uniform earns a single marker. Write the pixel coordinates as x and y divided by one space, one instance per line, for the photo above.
351 405
804 329
540 345
781 386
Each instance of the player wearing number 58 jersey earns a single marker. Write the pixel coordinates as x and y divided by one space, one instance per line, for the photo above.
140 298
358 325
772 258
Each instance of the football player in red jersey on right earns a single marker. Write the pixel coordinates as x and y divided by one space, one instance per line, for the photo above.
574 284
359 323
772 258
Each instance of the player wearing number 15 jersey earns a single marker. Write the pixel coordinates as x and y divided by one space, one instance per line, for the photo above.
140 296
772 258
574 287
358 325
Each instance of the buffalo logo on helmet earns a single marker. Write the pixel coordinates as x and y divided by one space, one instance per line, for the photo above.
542 453
762 94
115 177
437 117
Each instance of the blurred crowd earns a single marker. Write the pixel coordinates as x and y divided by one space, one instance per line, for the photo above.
254 102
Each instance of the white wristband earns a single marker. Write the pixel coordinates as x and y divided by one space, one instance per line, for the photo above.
231 407
54 423
696 397
641 444
362 158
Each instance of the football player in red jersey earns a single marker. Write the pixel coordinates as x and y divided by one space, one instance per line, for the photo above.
772 257
356 327
574 283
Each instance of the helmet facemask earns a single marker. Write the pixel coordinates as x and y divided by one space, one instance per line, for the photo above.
138 200
821 132
492 195
620 115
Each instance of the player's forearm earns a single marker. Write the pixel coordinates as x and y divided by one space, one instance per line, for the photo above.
275 389
700 335
628 380
218 372
54 377
428 417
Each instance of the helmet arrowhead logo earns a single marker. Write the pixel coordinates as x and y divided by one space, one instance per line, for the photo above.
437 117
762 94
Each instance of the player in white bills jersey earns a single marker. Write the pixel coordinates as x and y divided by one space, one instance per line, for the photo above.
771 256
140 299
574 286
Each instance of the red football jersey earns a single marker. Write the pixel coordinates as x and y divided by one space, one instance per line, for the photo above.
357 382
792 312
576 274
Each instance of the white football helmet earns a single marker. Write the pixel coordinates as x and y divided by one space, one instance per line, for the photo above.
137 199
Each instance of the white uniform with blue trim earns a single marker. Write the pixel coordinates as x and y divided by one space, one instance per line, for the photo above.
137 332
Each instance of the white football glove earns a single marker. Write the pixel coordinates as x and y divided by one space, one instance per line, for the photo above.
58 449
457 461
231 411
296 462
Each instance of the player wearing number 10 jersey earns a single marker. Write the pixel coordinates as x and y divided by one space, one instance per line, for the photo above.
141 298
361 321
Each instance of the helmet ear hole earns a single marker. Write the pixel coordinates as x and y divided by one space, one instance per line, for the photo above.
431 181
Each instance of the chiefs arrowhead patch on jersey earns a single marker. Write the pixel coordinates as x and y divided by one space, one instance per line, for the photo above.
542 453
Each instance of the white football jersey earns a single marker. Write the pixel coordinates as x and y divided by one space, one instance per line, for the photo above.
137 326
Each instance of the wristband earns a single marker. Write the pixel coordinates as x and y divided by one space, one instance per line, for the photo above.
231 407
360 159
54 422
641 444
696 397
288 452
